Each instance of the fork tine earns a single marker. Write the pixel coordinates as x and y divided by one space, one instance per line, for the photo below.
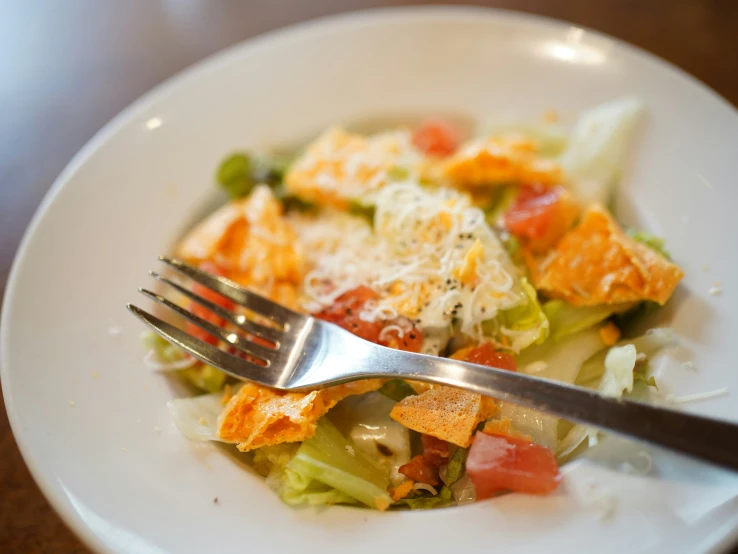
237 367
234 291
250 348
240 321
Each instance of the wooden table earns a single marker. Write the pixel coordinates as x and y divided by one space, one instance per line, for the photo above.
67 67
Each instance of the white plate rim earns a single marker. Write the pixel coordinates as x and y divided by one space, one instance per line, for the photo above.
727 536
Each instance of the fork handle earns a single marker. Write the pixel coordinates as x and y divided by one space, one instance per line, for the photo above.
699 437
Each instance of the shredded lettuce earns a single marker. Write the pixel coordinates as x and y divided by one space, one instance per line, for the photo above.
164 351
501 199
565 319
657 244
558 360
328 457
204 377
598 146
197 417
612 372
528 321
365 420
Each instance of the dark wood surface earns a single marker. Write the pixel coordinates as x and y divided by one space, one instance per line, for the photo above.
67 67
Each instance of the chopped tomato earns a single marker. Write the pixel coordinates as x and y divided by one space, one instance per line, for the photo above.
436 137
498 462
346 310
541 215
485 354
420 471
202 311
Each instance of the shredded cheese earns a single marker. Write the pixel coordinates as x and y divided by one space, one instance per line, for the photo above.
431 257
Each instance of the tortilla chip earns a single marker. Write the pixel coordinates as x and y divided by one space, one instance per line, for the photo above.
500 160
252 243
446 413
340 166
259 416
597 263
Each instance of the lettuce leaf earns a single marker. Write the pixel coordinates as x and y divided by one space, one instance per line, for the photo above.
558 360
657 244
565 319
328 457
197 417
611 371
365 420
525 324
204 377
598 146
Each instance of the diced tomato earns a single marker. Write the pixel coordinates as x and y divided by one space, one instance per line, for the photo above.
411 340
346 310
419 470
436 137
345 313
497 463
435 451
541 215
485 354
202 311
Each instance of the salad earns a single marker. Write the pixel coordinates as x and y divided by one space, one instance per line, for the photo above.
495 247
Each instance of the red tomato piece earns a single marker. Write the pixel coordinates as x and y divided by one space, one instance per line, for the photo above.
419 470
541 215
345 313
531 214
346 310
498 462
436 137
485 354
411 340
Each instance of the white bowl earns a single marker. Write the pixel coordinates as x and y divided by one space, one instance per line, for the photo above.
92 422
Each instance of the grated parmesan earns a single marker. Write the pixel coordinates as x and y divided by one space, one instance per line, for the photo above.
414 258
672 399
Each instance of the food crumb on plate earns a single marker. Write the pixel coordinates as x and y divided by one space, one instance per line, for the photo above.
95 375
689 364
716 289
123 449
350 450
705 268
114 331
215 500
72 403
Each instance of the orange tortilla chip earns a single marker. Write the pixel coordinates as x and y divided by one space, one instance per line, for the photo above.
500 160
252 243
597 263
446 413
259 416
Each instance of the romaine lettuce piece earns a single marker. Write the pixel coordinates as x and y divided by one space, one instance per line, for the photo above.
525 324
204 377
365 420
197 417
558 360
611 372
598 146
565 319
328 457
657 244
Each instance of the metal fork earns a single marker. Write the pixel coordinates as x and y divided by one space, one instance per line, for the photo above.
306 353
